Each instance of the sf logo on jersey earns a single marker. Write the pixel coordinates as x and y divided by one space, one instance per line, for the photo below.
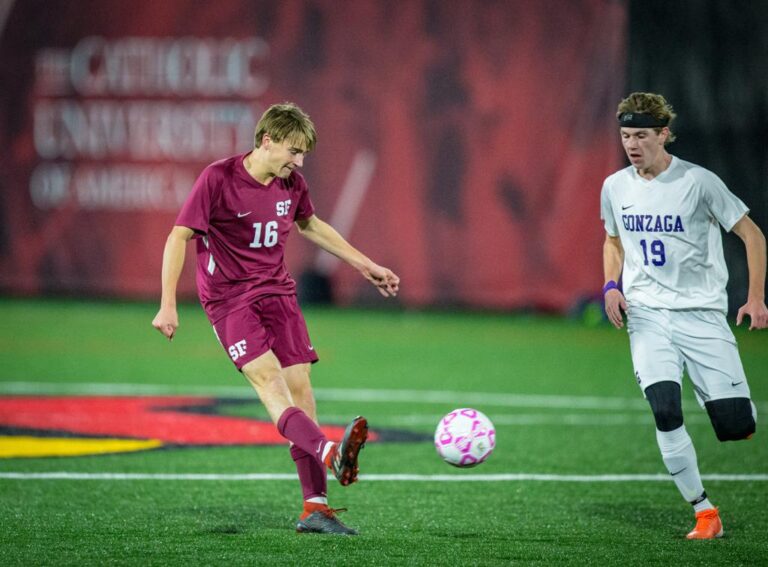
283 207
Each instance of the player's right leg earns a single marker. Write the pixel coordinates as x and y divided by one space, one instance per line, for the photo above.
679 457
264 373
675 444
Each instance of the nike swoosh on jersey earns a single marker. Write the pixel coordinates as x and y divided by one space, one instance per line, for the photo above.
241 215
623 208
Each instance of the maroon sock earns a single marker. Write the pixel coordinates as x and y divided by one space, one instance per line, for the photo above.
296 426
312 475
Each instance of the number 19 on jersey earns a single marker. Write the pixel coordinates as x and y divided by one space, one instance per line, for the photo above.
657 253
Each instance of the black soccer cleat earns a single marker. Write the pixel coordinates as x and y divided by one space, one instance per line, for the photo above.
344 457
324 522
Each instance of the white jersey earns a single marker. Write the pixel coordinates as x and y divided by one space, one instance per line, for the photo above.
668 225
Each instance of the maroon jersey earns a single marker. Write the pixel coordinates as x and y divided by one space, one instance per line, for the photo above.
241 227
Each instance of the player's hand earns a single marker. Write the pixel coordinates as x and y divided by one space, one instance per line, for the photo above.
614 305
758 314
166 321
385 280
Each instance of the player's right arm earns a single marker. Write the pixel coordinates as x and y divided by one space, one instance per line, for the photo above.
613 263
167 319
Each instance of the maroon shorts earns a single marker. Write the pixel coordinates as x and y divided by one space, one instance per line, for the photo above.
274 323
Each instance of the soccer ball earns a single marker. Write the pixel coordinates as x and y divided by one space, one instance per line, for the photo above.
465 437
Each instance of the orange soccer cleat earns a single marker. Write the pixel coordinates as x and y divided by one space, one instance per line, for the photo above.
708 525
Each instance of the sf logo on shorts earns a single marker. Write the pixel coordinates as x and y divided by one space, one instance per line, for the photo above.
237 350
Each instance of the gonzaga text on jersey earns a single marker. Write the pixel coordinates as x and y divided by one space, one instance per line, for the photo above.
652 223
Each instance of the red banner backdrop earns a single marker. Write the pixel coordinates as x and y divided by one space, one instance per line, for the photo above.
461 143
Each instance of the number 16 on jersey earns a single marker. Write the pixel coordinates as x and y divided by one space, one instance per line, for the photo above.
266 240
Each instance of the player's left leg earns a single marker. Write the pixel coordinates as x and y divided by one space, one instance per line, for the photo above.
733 419
715 368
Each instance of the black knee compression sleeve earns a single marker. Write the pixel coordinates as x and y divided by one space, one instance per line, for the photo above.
666 404
731 418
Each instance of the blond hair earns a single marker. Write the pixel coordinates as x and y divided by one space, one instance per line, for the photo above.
286 122
649 103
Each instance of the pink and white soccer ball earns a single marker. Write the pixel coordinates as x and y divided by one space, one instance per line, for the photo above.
465 437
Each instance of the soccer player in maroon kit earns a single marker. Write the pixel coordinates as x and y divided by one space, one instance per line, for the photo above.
240 211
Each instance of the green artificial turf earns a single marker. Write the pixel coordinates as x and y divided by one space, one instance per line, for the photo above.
561 394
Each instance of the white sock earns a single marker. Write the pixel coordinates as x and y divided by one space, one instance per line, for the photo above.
318 500
326 449
680 459
703 505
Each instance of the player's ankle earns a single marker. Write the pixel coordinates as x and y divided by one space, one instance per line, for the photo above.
328 451
311 507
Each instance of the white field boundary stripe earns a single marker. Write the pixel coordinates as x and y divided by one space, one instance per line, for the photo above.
380 477
456 399
453 398
521 419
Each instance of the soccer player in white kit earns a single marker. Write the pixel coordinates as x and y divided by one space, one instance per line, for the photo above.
662 217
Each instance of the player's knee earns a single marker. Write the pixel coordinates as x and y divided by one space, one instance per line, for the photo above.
733 419
666 404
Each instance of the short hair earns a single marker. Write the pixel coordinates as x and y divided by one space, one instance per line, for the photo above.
286 122
649 103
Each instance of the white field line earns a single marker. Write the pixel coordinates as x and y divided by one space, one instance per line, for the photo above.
121 389
452 398
456 399
522 419
380 477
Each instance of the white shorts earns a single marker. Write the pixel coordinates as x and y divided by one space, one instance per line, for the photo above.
663 341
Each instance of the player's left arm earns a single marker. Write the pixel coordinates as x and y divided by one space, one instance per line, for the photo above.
754 241
328 238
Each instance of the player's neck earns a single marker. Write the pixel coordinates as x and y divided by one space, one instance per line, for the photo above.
257 169
658 167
